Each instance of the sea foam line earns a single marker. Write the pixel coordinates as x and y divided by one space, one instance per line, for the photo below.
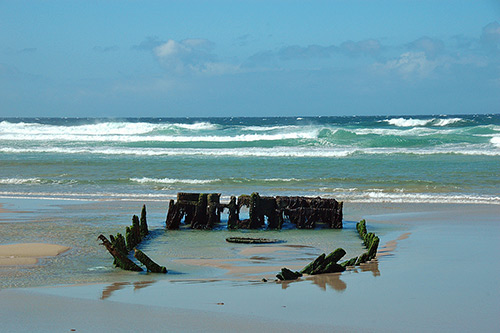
103 196
146 180
18 181
382 197
105 128
160 138
411 122
297 152
344 195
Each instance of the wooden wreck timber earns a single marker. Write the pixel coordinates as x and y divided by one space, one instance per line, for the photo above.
150 264
121 260
203 211
251 240
120 247
328 263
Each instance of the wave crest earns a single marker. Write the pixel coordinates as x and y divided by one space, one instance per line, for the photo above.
411 122
146 180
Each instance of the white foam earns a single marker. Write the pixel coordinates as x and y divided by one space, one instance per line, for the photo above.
281 180
382 197
197 126
72 137
408 122
298 152
346 195
74 196
18 181
416 131
446 121
495 141
269 128
146 180
97 129
107 128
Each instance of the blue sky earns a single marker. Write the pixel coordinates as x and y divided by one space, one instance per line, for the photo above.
248 58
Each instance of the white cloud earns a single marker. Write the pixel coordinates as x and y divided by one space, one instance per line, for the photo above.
410 64
191 56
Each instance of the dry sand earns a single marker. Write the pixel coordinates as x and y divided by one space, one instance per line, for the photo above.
28 253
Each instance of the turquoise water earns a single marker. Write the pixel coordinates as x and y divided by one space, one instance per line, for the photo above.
192 255
442 159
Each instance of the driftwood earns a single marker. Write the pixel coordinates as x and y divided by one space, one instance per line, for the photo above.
120 260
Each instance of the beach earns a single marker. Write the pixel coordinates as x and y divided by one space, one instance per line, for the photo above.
427 186
243 166
435 263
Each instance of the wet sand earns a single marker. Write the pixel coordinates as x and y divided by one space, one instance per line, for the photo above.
28 253
435 272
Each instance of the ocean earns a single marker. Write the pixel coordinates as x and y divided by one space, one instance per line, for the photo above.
422 159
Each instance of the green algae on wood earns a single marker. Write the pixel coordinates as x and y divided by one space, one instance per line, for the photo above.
328 261
309 268
120 260
149 263
287 274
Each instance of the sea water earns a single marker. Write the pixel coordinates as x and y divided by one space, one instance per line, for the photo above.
68 180
446 159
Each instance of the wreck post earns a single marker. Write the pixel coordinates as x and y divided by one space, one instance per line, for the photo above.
213 215
144 223
233 218
136 229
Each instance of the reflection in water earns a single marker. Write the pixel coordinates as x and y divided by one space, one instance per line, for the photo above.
333 280
142 284
321 280
108 291
371 266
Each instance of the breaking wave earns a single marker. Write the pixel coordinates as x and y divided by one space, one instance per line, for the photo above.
97 129
299 152
411 122
146 180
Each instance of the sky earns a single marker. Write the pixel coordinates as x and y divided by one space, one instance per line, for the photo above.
248 58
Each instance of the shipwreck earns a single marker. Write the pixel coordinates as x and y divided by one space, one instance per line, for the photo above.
203 211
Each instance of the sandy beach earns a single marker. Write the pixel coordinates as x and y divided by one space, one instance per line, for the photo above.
434 273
